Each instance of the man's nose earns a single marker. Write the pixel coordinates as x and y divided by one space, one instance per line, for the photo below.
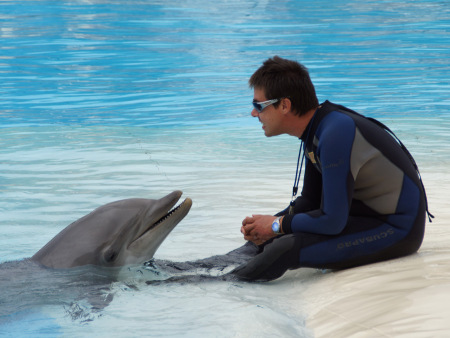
255 113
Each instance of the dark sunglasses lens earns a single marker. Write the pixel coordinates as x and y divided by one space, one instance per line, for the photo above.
257 106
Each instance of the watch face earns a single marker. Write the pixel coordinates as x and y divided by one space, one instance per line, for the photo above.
276 227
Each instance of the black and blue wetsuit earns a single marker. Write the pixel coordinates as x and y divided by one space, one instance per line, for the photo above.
362 200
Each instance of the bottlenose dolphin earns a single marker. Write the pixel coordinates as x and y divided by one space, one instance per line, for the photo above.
95 247
116 234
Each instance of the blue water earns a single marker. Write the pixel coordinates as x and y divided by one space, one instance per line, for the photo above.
104 100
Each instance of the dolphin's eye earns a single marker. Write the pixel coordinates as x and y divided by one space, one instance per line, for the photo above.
110 255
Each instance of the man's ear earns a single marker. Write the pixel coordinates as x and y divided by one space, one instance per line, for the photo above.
286 105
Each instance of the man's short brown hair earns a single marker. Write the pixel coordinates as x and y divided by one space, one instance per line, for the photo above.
280 78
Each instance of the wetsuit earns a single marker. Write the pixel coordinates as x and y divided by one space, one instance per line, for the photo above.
362 200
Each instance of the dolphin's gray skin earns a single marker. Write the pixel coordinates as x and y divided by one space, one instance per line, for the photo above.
94 248
119 233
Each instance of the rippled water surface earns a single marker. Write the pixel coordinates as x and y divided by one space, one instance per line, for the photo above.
105 100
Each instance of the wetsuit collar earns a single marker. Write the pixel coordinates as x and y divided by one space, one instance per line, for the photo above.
323 109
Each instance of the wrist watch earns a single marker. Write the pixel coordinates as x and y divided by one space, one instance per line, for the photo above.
276 227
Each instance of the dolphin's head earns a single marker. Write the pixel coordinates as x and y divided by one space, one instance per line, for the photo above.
119 233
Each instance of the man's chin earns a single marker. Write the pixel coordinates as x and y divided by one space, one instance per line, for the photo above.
268 133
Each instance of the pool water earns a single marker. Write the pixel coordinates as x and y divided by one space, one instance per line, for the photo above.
105 100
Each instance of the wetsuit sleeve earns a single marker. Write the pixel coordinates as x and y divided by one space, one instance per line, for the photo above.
335 136
311 191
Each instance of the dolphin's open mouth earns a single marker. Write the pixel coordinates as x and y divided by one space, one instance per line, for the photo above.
157 222
169 214
175 215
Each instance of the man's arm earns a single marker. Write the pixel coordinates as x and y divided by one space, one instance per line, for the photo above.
334 148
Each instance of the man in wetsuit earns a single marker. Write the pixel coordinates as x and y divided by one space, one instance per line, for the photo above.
362 199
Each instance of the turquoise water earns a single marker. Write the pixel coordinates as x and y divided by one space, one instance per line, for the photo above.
104 100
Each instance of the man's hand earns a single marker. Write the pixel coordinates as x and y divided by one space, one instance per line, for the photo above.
258 228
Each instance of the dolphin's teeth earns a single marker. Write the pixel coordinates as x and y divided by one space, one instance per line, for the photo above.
168 215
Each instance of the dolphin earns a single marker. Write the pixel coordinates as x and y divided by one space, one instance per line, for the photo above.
80 263
120 233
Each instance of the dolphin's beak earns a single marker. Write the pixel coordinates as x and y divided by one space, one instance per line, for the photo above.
156 229
172 216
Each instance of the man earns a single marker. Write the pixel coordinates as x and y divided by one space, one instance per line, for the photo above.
362 199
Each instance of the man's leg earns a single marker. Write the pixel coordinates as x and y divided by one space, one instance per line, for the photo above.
364 241
277 256
235 257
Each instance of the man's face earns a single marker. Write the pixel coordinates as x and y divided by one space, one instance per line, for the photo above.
270 117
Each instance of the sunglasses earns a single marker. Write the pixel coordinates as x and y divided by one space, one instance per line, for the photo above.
259 106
